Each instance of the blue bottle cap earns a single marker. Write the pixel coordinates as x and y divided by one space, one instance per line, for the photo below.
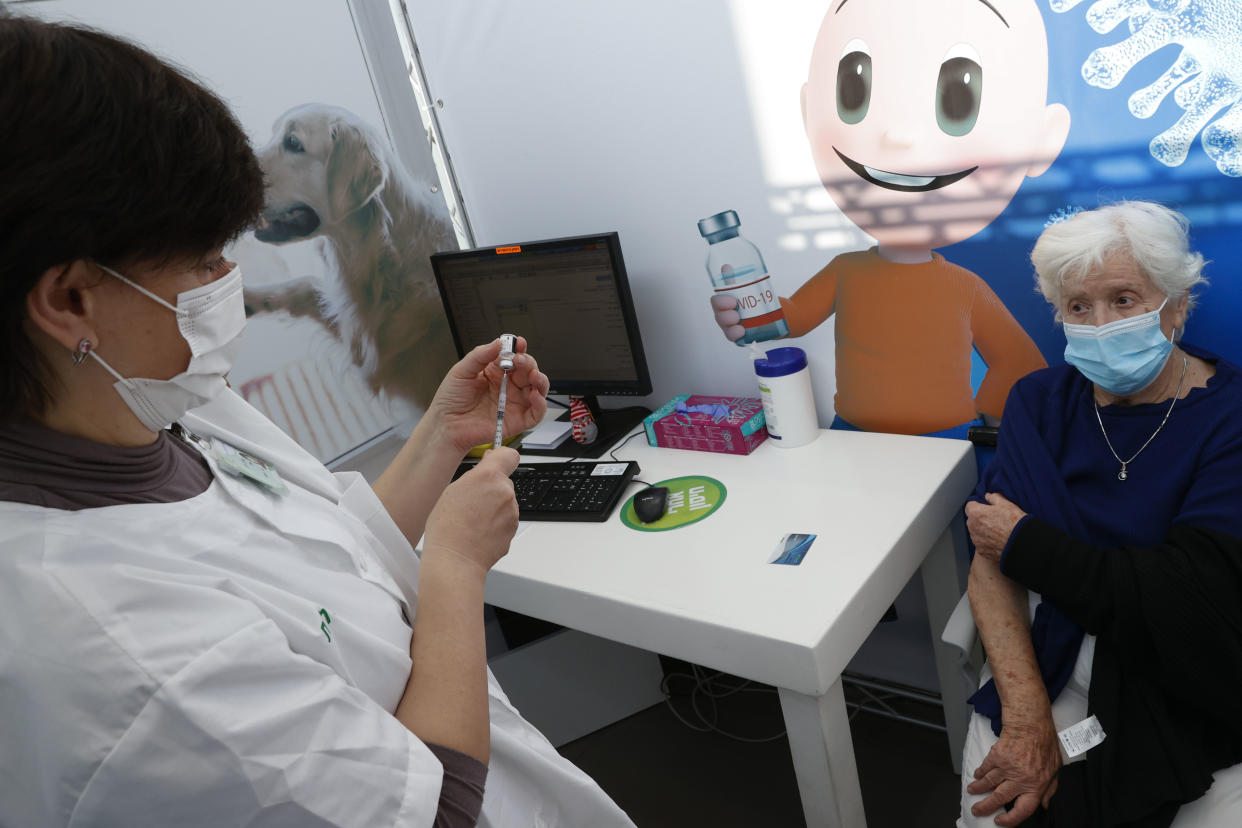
712 225
781 362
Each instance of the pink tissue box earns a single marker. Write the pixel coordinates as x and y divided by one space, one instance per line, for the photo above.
733 425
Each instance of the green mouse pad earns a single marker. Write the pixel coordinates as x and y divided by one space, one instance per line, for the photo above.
690 499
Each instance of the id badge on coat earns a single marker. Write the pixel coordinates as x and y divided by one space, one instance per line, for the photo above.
240 464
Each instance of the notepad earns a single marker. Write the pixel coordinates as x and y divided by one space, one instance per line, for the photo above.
547 435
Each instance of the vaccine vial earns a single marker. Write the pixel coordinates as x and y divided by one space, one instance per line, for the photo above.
736 268
508 344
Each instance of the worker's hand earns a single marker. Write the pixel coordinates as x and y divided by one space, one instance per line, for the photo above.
464 408
1021 768
727 317
990 524
475 518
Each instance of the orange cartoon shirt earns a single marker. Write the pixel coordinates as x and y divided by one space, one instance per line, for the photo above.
903 341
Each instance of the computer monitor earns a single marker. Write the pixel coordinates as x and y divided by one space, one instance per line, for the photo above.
571 299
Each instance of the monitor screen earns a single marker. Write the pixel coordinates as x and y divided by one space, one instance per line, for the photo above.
569 297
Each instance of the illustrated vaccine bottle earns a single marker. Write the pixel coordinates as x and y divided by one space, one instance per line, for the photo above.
736 268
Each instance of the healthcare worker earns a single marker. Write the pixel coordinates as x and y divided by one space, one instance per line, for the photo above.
201 624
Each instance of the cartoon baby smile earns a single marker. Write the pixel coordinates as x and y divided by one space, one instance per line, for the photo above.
900 181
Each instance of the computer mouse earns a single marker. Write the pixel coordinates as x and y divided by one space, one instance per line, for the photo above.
650 502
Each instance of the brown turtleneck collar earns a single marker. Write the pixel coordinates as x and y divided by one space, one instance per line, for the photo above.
43 467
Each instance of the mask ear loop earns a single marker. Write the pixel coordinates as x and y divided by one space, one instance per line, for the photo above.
137 287
151 412
108 368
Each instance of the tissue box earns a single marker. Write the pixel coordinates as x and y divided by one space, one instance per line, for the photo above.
729 425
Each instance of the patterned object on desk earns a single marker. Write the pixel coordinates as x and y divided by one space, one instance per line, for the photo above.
583 422
729 425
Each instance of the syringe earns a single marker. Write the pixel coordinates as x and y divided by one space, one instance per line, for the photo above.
508 344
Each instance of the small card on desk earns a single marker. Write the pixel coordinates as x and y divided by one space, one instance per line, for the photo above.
547 435
792 549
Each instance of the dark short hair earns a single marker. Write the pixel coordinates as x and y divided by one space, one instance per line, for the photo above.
107 154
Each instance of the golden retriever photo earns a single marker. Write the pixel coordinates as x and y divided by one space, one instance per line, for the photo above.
332 176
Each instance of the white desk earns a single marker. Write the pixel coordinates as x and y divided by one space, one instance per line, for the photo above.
881 505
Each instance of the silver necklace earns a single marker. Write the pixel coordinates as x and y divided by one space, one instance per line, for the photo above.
1123 474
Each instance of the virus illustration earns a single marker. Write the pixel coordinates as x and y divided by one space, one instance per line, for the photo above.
1205 79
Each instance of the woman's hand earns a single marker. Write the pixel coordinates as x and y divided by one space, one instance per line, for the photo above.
464 408
1022 766
475 518
990 524
461 416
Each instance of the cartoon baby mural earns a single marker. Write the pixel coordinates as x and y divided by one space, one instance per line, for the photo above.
923 121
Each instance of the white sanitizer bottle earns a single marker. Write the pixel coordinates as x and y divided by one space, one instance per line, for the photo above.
788 403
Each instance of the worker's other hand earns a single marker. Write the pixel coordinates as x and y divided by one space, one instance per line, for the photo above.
1021 768
464 408
475 518
990 524
727 317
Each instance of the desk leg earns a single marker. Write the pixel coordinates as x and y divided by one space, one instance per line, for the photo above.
823 758
942 586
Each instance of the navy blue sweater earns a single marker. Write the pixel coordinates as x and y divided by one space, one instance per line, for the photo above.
1191 472
1156 575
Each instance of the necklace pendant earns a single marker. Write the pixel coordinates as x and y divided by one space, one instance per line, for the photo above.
1121 475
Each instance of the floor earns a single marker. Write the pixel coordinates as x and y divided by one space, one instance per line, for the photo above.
663 773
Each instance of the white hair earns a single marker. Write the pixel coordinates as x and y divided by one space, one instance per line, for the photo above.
1151 235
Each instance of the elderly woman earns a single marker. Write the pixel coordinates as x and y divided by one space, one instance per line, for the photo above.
202 625
1114 506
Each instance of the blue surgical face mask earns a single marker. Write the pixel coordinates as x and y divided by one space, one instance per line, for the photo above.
1121 357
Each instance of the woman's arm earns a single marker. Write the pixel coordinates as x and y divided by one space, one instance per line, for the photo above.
1001 609
1024 762
1002 615
414 481
1172 612
445 700
468 527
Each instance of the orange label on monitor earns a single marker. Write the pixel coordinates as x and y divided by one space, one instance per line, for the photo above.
515 248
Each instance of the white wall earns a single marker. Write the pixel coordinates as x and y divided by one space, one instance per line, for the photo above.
564 117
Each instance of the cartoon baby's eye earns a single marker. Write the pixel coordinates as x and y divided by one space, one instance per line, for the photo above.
292 144
959 91
854 82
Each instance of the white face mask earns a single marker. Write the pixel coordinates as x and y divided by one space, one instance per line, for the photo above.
211 318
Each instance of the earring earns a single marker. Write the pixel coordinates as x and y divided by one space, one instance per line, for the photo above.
79 356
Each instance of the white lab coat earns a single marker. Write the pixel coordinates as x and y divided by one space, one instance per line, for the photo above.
233 659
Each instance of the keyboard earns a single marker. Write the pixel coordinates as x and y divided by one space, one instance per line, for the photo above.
567 491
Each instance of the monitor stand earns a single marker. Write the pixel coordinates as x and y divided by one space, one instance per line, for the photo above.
613 425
